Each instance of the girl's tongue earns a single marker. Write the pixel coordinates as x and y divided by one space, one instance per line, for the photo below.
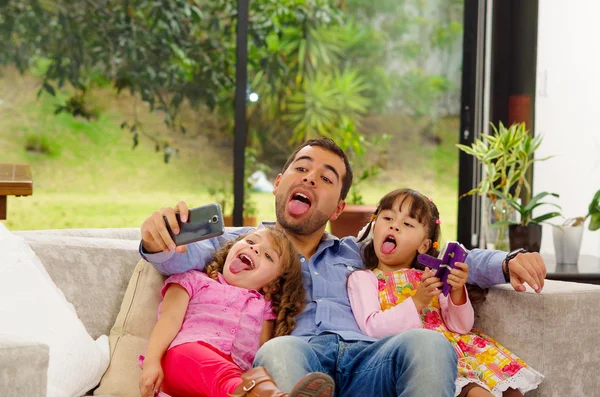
298 207
388 247
238 265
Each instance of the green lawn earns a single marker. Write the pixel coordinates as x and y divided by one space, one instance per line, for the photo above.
92 178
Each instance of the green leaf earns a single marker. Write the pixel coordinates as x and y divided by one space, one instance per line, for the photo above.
533 202
545 217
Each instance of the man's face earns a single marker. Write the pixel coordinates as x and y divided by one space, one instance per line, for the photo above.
307 194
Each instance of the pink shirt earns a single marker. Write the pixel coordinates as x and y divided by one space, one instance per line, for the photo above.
364 298
226 317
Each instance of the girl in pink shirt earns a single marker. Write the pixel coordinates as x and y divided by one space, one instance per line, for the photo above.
397 294
211 324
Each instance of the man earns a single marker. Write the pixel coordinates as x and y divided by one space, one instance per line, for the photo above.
310 191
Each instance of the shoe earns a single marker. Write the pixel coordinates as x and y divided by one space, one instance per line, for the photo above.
257 383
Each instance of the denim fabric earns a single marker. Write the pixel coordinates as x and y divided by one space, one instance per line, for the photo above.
415 363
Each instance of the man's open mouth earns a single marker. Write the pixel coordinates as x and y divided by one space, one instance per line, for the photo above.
389 245
299 203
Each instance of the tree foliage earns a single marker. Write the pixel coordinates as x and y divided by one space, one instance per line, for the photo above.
317 66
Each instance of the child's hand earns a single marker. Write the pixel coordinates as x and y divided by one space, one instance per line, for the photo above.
427 290
458 276
457 279
151 380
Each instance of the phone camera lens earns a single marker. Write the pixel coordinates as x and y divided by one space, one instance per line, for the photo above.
215 219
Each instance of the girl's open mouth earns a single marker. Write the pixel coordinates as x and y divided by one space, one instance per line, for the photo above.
389 245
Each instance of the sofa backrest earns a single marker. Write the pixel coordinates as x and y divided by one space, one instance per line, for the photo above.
93 272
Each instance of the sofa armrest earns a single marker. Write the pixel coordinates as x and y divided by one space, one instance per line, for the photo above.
23 368
555 332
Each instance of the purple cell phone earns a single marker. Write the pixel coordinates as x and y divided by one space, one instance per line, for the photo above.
452 252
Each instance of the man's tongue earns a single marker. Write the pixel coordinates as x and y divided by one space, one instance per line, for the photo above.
238 265
387 247
298 207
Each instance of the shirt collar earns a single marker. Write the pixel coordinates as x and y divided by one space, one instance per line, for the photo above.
327 241
222 280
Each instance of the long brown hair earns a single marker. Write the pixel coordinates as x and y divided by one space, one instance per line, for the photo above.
426 212
286 293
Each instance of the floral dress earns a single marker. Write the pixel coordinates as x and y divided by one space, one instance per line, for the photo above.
481 359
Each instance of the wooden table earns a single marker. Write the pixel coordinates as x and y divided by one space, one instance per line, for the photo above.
15 180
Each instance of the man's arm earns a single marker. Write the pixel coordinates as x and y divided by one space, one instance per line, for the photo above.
196 256
486 269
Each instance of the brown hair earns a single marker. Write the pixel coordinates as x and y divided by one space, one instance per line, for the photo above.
426 212
329 145
286 293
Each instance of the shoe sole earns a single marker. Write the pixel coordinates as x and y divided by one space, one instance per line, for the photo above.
314 385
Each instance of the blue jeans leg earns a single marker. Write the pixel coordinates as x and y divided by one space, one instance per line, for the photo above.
288 358
415 363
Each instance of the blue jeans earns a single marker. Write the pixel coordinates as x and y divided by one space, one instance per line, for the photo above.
414 363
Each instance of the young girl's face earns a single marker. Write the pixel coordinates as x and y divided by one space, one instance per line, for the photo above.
253 262
397 237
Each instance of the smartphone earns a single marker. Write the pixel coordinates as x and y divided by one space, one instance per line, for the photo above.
203 222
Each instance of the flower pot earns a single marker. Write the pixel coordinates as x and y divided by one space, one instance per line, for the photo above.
247 221
528 237
351 220
567 242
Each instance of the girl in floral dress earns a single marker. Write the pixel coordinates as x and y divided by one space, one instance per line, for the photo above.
397 294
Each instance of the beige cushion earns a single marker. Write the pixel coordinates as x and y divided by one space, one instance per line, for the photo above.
129 336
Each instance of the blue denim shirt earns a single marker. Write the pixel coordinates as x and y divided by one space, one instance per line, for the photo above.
325 275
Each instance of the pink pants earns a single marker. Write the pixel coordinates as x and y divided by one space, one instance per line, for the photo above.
199 370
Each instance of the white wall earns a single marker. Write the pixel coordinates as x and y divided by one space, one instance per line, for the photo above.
568 109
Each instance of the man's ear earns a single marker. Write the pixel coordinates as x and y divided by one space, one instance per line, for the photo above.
338 210
276 183
425 245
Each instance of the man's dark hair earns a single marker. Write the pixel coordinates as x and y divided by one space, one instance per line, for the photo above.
329 145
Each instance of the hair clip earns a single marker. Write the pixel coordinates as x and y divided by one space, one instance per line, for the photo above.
430 199
436 245
437 222
373 217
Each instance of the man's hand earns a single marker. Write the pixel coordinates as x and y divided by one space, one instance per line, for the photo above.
428 289
155 237
151 379
527 268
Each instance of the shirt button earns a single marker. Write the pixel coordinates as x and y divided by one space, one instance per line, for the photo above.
316 273
319 300
350 268
302 259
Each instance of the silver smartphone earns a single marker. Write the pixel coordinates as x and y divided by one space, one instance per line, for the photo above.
203 222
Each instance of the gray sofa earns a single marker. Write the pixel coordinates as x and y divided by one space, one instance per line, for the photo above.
556 332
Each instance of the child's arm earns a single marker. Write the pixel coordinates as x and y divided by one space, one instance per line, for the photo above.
172 313
268 327
457 310
364 299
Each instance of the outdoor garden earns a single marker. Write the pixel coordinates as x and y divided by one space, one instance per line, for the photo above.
124 106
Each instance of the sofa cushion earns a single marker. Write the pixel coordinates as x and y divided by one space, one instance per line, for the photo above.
129 336
92 272
31 308
23 367
547 331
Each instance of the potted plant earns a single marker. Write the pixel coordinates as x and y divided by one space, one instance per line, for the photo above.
506 156
527 232
567 237
357 213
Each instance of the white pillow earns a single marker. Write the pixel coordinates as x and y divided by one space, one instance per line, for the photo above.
34 309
